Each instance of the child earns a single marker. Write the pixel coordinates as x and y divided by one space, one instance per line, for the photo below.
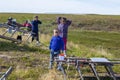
56 45
11 22
13 26
28 25
63 25
35 29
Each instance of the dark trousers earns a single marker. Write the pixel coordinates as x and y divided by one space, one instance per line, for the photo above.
52 55
35 35
19 37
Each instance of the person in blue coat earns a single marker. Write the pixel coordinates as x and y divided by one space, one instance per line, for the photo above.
35 28
56 45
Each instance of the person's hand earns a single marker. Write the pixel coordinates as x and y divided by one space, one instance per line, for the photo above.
64 53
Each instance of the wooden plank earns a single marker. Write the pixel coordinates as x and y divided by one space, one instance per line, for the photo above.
94 71
101 78
110 71
80 73
8 38
6 74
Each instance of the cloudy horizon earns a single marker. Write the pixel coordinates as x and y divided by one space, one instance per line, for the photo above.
109 7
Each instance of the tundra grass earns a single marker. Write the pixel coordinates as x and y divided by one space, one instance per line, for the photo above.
107 41
30 62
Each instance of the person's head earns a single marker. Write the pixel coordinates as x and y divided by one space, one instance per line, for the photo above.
10 19
36 18
63 20
56 32
26 21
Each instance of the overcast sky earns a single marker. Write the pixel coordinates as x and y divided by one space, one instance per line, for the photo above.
61 6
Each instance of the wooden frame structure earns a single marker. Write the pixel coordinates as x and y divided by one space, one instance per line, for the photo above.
15 29
92 63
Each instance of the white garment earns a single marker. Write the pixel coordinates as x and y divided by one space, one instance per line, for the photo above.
60 28
64 53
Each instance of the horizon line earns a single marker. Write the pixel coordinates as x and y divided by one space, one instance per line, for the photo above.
56 13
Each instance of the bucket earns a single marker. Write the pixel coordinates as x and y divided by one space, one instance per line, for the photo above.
10 29
61 56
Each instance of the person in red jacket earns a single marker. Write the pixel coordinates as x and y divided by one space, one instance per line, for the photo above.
28 25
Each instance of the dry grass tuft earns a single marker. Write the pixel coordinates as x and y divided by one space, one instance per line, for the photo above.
51 75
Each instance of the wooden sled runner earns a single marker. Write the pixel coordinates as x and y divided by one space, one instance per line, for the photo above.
4 75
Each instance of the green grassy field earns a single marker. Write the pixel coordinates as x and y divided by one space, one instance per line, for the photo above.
89 36
103 42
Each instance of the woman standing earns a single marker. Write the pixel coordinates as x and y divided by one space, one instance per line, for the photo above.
63 25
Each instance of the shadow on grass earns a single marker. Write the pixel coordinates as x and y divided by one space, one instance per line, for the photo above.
9 46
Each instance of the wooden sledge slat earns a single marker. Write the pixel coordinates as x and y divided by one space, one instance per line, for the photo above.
6 74
8 38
